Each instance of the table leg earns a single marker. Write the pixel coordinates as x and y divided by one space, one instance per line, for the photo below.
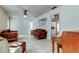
57 49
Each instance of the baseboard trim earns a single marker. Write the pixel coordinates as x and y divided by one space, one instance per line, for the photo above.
23 35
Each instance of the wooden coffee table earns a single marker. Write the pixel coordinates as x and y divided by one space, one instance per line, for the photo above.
21 44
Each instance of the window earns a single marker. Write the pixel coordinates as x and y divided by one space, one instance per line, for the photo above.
8 24
31 25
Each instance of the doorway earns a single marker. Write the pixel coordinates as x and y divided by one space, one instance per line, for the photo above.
55 30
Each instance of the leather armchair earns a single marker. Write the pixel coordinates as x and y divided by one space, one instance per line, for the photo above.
9 35
39 33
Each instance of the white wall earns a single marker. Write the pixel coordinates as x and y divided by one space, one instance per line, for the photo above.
21 24
3 19
48 23
69 18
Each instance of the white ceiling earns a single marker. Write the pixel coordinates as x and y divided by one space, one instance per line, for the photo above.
34 10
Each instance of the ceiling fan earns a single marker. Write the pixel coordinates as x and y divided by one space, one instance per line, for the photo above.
25 13
54 7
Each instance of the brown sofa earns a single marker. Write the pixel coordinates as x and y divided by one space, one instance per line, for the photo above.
9 35
39 33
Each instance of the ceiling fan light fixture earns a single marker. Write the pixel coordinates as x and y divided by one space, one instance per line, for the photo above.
25 16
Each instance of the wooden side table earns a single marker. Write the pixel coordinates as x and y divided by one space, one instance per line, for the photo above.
22 44
23 41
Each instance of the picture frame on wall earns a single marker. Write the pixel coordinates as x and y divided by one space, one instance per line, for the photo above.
42 22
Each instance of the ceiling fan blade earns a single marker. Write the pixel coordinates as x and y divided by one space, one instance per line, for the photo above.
54 7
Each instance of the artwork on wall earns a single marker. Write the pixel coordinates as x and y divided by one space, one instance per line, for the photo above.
42 22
